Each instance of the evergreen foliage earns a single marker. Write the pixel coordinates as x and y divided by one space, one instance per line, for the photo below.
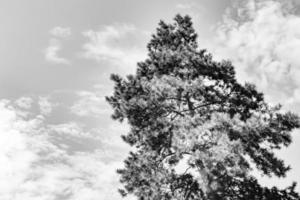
196 132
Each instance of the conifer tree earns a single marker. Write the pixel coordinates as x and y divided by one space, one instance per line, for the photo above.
196 133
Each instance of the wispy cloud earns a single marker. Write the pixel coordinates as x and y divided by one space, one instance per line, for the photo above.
184 6
90 104
51 53
72 129
55 45
61 32
117 44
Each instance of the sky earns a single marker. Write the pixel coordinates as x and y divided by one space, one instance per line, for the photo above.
57 139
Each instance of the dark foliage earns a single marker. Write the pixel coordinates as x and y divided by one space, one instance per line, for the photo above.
197 132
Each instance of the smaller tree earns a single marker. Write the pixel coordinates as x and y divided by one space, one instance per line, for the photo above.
185 109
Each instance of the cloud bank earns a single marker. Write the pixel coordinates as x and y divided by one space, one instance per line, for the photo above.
41 161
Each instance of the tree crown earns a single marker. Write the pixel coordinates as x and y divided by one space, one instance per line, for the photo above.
184 107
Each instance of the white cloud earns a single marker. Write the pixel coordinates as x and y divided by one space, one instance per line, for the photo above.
262 38
118 44
34 166
90 104
16 154
61 32
51 53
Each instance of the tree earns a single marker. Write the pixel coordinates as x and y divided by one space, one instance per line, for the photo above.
196 132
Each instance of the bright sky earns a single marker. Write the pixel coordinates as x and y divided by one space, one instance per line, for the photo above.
57 140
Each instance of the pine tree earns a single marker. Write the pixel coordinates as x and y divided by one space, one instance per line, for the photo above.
196 132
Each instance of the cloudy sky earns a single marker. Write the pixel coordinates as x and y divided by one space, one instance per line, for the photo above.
57 140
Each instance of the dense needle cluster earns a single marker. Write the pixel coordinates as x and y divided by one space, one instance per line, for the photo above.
196 132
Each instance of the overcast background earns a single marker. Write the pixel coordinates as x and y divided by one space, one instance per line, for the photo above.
57 140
